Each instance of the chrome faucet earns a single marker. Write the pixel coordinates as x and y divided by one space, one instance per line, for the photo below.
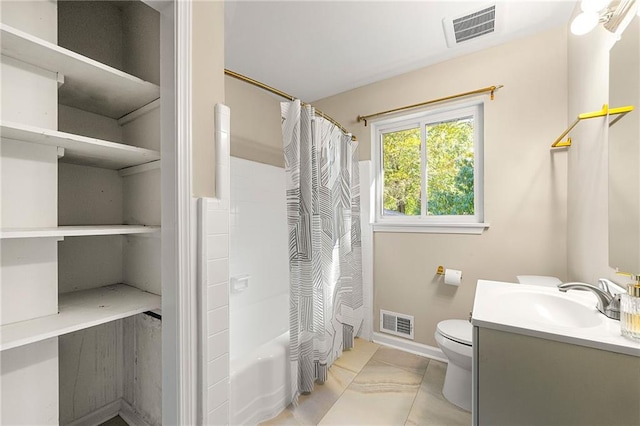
608 304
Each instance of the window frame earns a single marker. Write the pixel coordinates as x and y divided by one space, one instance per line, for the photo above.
466 224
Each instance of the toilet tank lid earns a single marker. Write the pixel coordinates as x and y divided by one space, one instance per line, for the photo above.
456 329
541 280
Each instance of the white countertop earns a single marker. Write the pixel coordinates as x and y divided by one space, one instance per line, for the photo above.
489 312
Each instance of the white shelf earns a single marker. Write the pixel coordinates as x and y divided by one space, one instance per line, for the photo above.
89 85
77 231
79 310
81 149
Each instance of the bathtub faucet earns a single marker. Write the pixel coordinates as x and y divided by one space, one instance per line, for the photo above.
608 304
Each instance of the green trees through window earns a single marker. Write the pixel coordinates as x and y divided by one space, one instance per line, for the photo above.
449 169
402 175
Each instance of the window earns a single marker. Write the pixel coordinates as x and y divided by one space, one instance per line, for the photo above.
428 171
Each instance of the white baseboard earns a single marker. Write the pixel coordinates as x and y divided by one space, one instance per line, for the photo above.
130 416
409 346
99 416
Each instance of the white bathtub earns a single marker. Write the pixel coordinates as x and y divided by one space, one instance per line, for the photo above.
260 385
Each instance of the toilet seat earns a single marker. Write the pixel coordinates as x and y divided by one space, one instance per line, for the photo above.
457 330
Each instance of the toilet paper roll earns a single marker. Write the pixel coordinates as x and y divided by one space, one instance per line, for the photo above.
453 277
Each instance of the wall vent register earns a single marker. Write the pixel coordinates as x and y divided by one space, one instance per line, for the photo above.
396 323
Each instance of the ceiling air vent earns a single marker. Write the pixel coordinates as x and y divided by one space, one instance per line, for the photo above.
470 25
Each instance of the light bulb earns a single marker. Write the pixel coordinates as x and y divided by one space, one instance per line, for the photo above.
584 23
593 5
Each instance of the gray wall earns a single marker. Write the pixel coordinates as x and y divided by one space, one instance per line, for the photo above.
208 90
256 134
525 183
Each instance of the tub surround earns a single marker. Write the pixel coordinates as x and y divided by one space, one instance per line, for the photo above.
259 380
259 252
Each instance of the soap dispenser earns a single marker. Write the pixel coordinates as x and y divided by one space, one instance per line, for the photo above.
630 310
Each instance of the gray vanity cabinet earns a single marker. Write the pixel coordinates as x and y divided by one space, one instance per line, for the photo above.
524 380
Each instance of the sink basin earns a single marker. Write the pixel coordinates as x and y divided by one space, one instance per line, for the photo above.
550 309
547 313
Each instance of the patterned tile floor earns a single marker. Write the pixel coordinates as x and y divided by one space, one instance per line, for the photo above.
376 385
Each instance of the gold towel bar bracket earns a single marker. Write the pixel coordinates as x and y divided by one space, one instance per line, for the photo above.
604 112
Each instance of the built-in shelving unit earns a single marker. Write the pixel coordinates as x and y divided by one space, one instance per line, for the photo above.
80 157
77 231
79 310
81 149
88 85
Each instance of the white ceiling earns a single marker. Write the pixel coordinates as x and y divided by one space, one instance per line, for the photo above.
314 49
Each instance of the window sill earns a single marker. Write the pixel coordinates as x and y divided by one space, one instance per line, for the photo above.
435 228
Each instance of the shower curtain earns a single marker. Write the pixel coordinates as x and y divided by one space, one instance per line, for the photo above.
325 261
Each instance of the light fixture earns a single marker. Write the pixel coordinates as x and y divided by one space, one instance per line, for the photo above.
611 13
584 22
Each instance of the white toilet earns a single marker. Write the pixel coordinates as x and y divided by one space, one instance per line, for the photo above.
454 338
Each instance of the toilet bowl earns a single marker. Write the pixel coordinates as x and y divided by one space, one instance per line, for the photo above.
454 339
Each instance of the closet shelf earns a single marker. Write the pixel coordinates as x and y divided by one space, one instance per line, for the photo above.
89 85
81 149
77 231
79 310
604 112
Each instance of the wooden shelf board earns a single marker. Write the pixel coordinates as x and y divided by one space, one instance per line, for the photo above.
89 85
76 231
81 149
79 310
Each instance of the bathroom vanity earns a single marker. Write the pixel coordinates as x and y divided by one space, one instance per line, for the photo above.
549 358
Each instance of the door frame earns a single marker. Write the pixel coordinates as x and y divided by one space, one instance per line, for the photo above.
179 322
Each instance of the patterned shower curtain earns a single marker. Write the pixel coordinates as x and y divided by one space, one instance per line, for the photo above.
325 261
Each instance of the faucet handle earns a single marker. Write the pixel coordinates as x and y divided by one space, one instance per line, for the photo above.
610 287
603 283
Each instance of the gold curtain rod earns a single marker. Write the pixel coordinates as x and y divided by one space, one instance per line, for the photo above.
283 95
491 89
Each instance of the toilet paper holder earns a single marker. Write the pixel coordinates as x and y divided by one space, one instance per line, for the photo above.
451 276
